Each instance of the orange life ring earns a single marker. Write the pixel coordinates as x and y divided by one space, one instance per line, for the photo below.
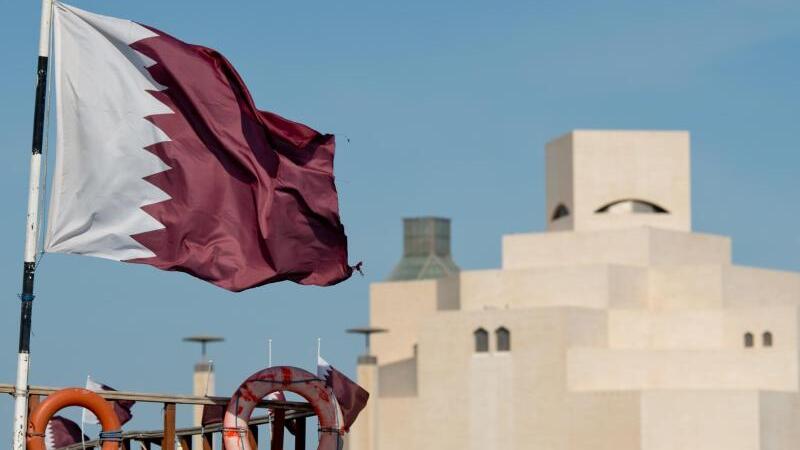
281 378
37 423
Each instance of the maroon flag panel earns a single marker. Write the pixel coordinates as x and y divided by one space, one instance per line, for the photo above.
253 199
212 415
62 432
351 397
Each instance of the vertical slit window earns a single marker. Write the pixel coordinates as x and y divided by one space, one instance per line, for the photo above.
481 340
766 339
748 339
503 339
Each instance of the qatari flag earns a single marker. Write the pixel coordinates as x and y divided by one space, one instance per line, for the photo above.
164 159
122 408
62 432
351 397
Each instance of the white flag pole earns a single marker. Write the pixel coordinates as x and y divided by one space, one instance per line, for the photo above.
319 345
31 232
83 426
269 353
83 415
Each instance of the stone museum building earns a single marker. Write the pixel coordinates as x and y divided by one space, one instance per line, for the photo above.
618 328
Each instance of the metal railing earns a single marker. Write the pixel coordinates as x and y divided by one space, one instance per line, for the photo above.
169 438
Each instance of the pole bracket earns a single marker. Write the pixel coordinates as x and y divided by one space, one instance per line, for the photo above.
114 436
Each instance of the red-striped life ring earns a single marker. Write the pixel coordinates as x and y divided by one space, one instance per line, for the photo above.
282 378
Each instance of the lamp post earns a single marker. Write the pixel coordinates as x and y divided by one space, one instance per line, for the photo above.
203 341
367 357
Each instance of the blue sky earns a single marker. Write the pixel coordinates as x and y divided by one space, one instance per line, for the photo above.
447 107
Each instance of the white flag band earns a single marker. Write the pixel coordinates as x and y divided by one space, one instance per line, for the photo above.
102 101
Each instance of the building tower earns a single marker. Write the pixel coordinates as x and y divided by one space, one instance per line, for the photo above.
426 250
602 180
202 380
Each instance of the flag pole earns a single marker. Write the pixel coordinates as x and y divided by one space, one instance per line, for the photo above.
31 233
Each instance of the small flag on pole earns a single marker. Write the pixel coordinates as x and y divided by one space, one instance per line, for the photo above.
62 432
351 397
121 407
164 159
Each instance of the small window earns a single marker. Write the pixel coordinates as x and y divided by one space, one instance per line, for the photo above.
503 339
748 339
559 212
481 340
766 339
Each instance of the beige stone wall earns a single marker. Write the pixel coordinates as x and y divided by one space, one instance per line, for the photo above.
712 285
400 306
595 369
667 247
398 379
587 286
398 422
780 413
749 286
686 287
666 330
699 420
628 287
603 421
565 249
637 246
